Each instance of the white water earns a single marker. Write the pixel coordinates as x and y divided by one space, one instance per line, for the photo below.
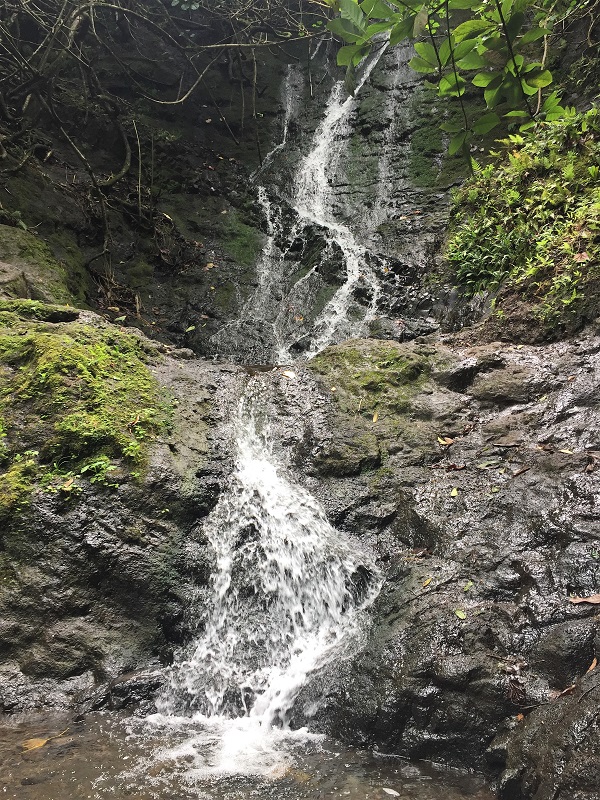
314 203
287 597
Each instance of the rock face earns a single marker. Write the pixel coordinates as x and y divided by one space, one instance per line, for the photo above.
472 471
93 573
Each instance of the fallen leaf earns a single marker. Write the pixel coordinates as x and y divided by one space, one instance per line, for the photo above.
33 744
568 452
288 373
460 613
520 717
520 346
120 319
495 489
488 464
520 471
569 690
468 585
427 581
594 599
190 328
454 492
580 257
592 666
116 309
375 417
393 792
334 388
445 440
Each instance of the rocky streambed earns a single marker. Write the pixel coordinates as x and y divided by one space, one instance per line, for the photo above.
469 470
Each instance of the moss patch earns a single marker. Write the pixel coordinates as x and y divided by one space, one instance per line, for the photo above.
373 376
529 224
30 269
77 402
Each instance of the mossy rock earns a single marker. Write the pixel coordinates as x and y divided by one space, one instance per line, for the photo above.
369 376
28 269
77 403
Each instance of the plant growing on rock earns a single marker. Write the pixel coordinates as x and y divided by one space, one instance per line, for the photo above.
529 224
495 48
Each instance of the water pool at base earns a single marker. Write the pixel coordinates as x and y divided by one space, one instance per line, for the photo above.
106 755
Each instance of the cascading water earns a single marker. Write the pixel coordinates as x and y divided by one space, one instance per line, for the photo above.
287 596
273 320
313 204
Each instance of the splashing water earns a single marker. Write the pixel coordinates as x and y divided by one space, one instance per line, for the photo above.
287 596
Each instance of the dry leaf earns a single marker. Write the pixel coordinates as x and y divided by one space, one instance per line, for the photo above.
592 666
445 440
580 257
427 581
392 792
454 492
33 744
593 598
568 452
520 717
569 690
375 417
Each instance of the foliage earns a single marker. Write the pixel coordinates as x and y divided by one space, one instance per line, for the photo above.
82 396
497 48
530 223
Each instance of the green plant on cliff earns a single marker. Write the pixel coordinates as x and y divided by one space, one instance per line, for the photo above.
75 400
495 49
529 223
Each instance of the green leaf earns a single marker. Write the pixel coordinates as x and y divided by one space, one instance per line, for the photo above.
472 61
460 613
445 50
459 5
492 95
345 30
350 10
427 52
540 79
533 35
456 144
464 48
349 52
465 29
375 28
514 25
486 123
350 79
375 8
452 85
403 30
517 114
419 65
484 79
451 127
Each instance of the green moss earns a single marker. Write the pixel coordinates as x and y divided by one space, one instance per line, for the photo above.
73 399
373 376
37 272
240 241
530 223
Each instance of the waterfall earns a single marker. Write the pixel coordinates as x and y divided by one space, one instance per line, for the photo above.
287 596
314 205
